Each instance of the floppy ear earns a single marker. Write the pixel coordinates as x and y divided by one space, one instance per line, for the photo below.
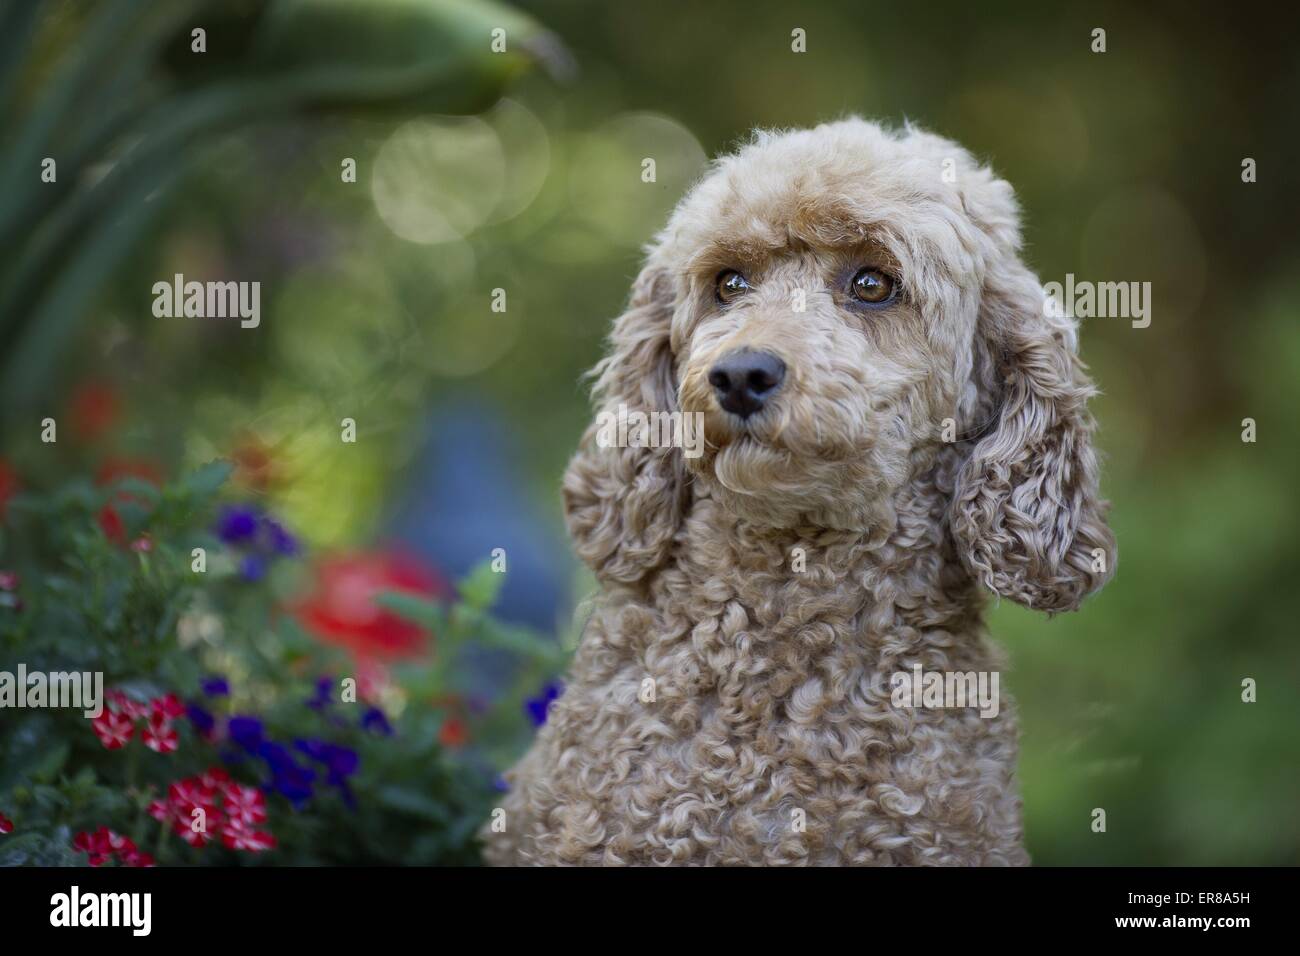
624 505
1026 513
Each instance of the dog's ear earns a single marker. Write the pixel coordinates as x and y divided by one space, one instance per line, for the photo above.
1026 513
624 505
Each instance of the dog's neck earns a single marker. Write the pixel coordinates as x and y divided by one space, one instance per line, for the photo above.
870 584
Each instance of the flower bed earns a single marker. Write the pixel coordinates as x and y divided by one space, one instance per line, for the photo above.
261 704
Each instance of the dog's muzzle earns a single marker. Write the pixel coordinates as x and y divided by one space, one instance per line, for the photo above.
745 379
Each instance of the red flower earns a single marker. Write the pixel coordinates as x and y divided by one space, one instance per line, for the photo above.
93 409
254 465
110 842
6 825
110 522
453 733
342 609
8 486
214 778
160 736
237 836
169 706
192 793
244 805
104 845
135 858
229 810
113 730
115 469
116 725
196 830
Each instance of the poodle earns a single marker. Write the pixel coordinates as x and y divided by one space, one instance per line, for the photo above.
894 423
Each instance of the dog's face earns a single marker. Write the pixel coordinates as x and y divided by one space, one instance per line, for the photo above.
825 323
837 304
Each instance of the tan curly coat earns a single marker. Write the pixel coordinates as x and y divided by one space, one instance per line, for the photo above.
768 734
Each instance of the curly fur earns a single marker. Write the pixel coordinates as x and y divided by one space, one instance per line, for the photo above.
771 689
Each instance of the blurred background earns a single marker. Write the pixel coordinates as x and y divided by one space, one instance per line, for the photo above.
377 304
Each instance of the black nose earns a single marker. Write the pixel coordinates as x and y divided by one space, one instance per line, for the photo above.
744 380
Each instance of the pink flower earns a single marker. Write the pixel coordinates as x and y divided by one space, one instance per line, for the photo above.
113 730
237 836
6 825
192 791
230 810
214 778
103 846
169 706
245 805
196 830
160 736
118 701
111 842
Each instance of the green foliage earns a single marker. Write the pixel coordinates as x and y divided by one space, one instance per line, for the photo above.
132 95
153 627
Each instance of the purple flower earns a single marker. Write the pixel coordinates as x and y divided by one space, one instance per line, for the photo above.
374 719
236 524
246 731
203 721
321 698
288 778
294 784
253 567
215 687
259 539
278 540
340 762
537 706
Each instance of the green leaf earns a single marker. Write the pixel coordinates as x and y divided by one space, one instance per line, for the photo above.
413 802
208 479
136 487
480 587
50 763
520 641
426 55
421 610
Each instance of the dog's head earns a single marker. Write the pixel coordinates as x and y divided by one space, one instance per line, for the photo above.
836 305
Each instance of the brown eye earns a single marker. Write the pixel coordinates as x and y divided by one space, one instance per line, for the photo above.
730 285
873 287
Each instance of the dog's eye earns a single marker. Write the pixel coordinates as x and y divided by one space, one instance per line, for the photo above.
873 286
730 285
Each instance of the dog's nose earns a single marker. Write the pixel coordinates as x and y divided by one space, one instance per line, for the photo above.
744 380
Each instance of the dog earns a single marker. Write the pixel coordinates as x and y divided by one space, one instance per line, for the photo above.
895 425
